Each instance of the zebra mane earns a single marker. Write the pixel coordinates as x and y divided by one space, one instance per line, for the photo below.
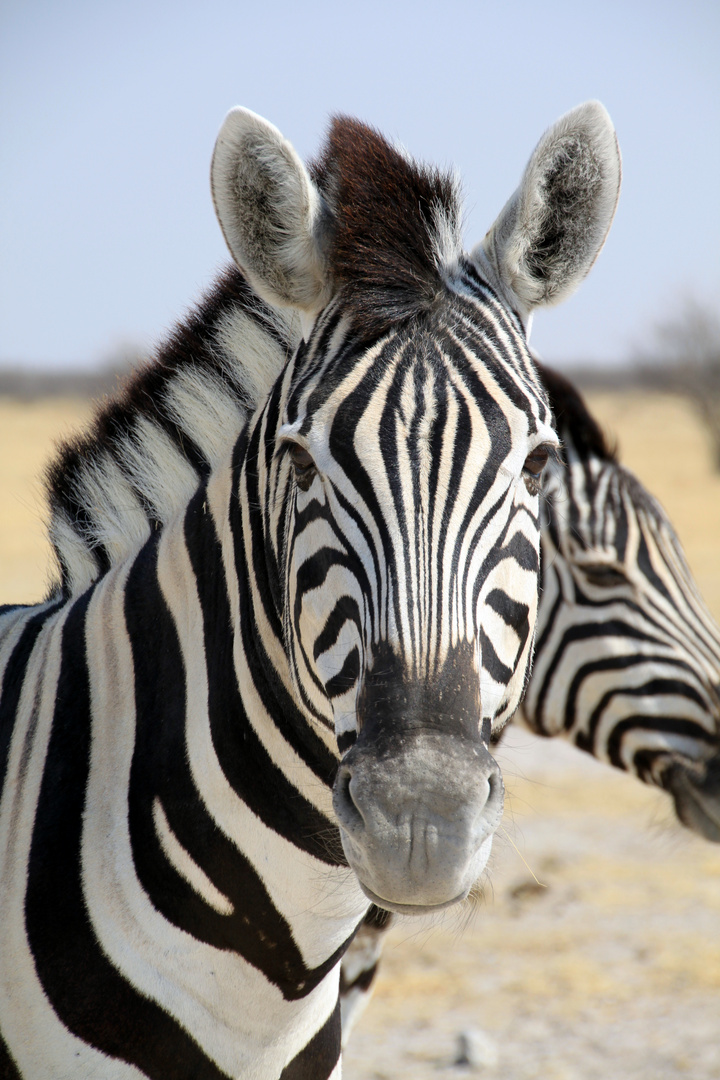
573 418
577 425
394 225
149 447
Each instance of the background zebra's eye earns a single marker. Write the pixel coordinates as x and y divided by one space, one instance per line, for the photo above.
604 576
535 462
303 465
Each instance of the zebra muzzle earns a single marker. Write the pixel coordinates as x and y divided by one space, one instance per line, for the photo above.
695 787
417 814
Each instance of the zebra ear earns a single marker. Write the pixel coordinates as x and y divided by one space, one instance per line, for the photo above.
552 229
270 212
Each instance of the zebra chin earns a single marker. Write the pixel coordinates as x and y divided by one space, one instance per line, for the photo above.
431 908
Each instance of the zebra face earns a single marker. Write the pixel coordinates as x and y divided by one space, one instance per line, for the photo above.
627 662
411 590
411 434
415 499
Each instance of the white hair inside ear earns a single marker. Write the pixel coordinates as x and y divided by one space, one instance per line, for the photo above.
552 229
270 212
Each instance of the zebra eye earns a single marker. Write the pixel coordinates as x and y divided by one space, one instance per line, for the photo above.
303 465
535 462
604 576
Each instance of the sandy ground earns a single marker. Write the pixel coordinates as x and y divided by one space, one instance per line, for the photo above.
610 967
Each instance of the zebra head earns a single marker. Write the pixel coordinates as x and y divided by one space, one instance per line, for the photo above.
403 447
627 660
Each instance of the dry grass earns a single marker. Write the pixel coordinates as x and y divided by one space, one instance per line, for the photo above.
28 431
611 971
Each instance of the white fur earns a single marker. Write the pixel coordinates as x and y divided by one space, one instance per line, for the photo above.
270 211
254 357
80 566
41 1044
203 407
164 476
185 865
582 148
119 519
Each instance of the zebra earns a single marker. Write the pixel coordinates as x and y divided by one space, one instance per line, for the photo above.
298 568
627 656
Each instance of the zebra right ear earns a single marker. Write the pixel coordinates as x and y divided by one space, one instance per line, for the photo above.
270 212
552 229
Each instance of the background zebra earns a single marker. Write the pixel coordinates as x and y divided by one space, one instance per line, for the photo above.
292 581
627 656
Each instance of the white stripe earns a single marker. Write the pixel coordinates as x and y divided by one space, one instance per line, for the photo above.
185 865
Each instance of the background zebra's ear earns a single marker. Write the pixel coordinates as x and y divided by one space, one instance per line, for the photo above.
552 229
270 212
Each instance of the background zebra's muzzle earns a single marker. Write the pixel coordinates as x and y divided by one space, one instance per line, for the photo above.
695 787
417 813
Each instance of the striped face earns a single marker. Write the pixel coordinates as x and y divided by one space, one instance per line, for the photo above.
406 462
628 657
412 542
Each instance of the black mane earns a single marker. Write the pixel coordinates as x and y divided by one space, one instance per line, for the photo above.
85 530
572 416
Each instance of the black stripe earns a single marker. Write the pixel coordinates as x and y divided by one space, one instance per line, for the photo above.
615 663
362 982
8 1068
348 675
89 995
13 680
255 929
345 740
205 553
311 575
512 613
345 610
655 724
586 632
492 663
318 1059
249 769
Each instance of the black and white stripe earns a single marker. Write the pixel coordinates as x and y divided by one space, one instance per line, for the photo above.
627 660
627 656
298 589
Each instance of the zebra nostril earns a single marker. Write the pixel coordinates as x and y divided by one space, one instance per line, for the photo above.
496 796
345 806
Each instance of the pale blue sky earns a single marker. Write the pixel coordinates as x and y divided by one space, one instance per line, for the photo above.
109 111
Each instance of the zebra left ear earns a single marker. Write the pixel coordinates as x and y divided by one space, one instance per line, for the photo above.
270 212
552 229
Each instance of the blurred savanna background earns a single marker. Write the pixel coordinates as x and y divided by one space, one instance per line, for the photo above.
595 948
